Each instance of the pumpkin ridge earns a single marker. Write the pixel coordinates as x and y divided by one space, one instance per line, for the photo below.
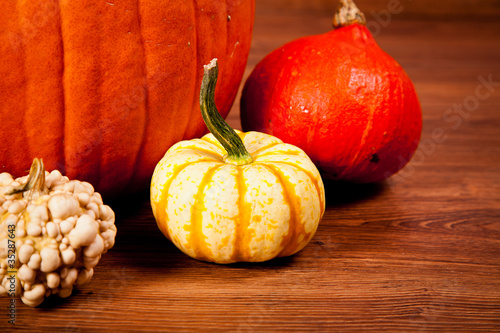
196 235
99 97
244 215
281 152
213 142
25 83
313 179
261 149
195 100
289 240
61 164
146 97
83 137
216 145
12 106
216 156
162 204
38 95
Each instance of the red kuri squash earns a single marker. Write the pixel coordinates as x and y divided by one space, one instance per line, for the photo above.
338 96
101 89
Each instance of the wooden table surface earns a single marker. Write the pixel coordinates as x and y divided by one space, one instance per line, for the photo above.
419 252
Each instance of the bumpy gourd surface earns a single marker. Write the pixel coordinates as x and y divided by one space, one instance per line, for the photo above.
225 213
60 236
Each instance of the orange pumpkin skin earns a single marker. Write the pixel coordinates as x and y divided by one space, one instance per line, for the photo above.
342 99
101 89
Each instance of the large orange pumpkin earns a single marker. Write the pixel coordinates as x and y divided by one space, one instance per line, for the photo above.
101 89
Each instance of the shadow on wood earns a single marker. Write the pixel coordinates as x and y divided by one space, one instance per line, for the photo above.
339 194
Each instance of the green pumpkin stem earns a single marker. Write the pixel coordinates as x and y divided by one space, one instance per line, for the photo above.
35 185
348 14
236 151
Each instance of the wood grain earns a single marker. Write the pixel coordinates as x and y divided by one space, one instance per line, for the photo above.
419 252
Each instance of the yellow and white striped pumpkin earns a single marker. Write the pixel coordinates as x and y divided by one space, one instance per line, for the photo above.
215 209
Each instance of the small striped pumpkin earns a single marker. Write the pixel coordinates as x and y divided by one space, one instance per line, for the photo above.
236 196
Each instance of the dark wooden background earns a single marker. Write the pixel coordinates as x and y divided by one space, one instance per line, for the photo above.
419 252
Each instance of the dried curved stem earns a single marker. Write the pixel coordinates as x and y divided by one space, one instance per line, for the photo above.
348 14
35 184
